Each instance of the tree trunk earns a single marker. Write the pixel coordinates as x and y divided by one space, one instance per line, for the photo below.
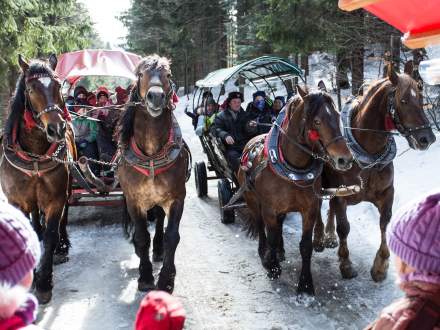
304 60
395 51
357 70
342 63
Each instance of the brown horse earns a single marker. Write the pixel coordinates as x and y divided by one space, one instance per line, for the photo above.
394 102
153 169
286 177
33 176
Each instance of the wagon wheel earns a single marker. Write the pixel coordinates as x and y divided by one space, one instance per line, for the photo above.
201 179
224 195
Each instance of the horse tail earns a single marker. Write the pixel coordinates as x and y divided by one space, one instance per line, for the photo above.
253 224
127 223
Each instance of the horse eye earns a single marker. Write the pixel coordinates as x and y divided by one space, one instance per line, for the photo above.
317 122
404 101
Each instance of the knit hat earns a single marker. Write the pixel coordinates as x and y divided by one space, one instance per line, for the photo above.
414 234
259 93
79 90
160 311
19 245
235 95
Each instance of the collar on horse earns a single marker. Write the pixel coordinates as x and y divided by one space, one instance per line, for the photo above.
161 161
276 161
28 163
362 157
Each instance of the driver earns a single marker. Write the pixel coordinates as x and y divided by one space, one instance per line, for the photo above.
231 127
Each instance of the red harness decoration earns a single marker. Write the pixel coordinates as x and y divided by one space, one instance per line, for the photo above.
389 123
150 159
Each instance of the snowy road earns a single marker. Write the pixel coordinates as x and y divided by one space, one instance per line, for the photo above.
219 275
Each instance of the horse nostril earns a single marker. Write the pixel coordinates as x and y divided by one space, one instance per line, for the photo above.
341 162
423 141
150 96
162 95
51 130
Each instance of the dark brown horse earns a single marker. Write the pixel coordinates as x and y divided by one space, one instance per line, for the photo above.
394 102
286 177
36 141
153 169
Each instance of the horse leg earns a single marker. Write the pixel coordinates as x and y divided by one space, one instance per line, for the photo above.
36 223
309 217
141 242
62 250
158 235
330 239
318 234
172 238
274 232
381 262
44 274
281 252
339 206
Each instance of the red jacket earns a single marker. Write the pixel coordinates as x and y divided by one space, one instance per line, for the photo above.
418 310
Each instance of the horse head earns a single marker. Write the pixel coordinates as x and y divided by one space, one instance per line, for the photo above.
42 95
406 109
154 85
321 128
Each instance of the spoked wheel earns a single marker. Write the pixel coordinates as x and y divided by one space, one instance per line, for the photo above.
224 195
201 179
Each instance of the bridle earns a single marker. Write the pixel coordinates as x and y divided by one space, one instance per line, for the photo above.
168 96
28 104
392 110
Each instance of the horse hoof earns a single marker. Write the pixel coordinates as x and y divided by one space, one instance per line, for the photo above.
274 273
167 287
281 255
157 257
379 270
145 286
43 297
378 276
305 288
60 259
318 246
347 271
330 241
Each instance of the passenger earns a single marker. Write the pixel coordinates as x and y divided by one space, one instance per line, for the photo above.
121 95
102 97
80 97
414 237
278 104
86 130
231 127
260 113
195 114
160 311
20 253
206 119
91 99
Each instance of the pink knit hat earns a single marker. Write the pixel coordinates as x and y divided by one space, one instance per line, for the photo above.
19 245
414 234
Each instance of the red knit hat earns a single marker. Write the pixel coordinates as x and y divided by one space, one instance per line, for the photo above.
160 311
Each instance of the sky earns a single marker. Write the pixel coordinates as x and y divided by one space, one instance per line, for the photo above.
103 14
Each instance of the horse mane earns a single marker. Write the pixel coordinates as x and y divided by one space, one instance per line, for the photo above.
17 104
126 123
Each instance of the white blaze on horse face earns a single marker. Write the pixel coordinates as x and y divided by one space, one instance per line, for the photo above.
413 92
329 111
45 81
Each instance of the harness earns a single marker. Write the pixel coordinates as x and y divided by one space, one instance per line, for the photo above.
278 165
364 159
153 165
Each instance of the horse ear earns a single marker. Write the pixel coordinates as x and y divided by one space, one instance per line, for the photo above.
321 86
22 62
409 68
53 61
392 75
302 92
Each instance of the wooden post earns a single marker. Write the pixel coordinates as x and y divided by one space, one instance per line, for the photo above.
395 45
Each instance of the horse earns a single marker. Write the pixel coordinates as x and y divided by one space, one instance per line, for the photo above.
286 176
391 103
34 177
153 170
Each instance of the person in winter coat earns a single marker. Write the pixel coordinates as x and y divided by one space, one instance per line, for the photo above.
414 237
278 103
260 113
231 126
20 253
160 311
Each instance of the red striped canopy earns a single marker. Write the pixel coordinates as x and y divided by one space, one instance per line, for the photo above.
97 62
418 20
